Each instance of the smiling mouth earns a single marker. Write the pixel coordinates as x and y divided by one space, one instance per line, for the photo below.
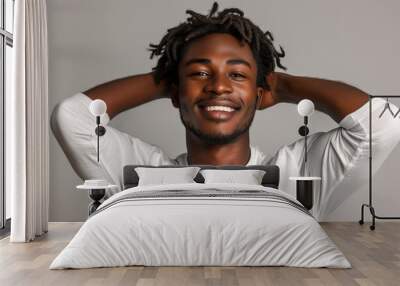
219 108
218 112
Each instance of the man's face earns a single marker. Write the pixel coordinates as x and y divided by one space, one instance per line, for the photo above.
217 90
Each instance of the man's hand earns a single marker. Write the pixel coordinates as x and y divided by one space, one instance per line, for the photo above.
270 96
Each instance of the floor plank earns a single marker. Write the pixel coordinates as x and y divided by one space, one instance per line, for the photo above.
374 255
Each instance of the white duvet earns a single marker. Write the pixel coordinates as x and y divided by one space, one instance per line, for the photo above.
205 230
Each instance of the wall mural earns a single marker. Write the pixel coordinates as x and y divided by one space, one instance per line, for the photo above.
223 201
218 69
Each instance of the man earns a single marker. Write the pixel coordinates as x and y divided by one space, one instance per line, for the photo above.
218 69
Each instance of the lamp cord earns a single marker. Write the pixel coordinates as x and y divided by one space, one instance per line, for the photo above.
98 143
305 146
98 136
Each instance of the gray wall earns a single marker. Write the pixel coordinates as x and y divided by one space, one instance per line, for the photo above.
94 41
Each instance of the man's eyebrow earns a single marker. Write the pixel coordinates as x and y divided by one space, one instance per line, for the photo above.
197 61
207 61
239 62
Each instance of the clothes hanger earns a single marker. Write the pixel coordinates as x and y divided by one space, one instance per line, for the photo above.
397 113
387 107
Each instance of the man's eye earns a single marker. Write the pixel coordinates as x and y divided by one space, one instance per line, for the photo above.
236 75
199 74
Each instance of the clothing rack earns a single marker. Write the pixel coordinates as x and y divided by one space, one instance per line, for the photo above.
369 205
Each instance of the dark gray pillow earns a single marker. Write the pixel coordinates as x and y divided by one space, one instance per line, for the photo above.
270 179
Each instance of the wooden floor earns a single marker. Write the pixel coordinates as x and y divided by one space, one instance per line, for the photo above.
374 255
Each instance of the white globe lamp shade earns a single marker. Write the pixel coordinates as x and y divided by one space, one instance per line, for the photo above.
98 107
305 107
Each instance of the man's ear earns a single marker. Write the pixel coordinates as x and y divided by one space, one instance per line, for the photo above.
264 98
260 94
174 94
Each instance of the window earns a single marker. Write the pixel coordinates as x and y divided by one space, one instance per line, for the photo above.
6 60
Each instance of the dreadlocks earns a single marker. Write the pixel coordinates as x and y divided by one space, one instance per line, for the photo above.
230 21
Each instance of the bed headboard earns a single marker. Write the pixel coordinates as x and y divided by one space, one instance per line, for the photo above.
270 179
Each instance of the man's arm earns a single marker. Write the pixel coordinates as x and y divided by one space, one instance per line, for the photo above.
73 126
339 156
125 93
334 98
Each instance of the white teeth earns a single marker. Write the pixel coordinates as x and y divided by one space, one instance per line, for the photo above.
220 108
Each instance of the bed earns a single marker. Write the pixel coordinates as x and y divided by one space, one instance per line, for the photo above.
201 224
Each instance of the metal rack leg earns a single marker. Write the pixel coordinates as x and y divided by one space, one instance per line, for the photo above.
361 221
374 216
372 210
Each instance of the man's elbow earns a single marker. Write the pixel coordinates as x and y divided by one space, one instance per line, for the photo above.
57 119
63 122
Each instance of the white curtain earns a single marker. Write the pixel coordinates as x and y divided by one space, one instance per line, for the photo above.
27 128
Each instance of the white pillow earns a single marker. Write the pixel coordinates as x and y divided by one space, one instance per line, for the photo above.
162 176
249 177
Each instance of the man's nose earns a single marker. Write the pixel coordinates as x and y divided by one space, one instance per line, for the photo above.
219 84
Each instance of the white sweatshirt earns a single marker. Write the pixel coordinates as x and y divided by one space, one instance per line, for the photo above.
339 156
